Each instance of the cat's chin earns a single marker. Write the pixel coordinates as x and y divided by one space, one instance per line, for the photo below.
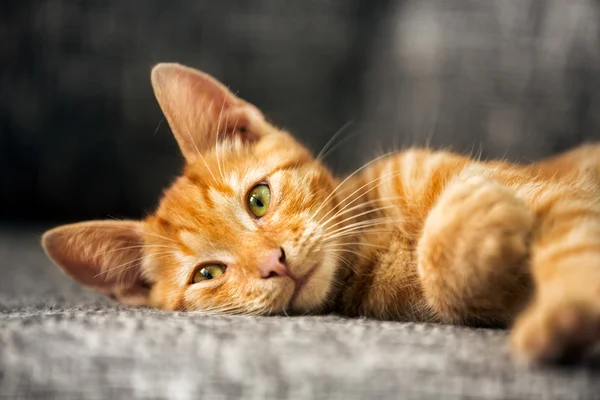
301 284
312 289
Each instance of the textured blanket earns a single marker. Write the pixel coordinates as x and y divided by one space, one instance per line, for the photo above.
60 341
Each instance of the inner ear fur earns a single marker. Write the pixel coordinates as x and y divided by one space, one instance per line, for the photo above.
105 256
200 110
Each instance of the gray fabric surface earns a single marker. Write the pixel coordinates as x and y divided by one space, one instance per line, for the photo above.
60 341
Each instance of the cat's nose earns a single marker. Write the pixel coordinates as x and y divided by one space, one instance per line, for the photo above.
274 265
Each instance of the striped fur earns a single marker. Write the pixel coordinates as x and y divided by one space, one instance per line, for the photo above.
418 235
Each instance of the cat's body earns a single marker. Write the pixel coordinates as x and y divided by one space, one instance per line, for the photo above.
257 225
460 233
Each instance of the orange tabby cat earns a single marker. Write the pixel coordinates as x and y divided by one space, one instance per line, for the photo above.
257 225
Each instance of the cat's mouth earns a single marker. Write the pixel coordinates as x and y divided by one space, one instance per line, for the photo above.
302 282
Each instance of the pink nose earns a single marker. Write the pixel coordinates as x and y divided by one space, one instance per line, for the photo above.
274 265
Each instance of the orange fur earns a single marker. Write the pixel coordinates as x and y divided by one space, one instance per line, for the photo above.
416 235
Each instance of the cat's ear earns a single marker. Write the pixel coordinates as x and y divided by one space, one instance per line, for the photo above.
200 110
103 255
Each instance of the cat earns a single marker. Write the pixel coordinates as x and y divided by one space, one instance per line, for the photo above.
257 225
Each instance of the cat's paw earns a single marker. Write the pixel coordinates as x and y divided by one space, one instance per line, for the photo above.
473 252
554 331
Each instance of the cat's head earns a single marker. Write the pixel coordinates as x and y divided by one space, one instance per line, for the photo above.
247 227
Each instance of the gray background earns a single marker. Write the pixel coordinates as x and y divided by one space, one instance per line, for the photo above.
81 133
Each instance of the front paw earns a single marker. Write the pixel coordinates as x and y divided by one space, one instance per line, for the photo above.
473 253
556 328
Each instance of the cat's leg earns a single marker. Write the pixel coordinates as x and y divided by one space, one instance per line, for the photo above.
473 251
564 317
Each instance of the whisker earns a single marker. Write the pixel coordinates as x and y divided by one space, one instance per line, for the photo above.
363 194
323 151
355 252
284 310
338 144
158 126
346 262
362 224
187 130
374 210
353 233
346 180
340 258
359 244
364 204
221 311
224 309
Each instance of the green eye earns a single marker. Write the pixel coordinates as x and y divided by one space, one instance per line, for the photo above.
259 199
208 272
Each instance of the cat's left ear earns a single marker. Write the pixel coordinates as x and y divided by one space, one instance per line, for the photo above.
105 256
200 110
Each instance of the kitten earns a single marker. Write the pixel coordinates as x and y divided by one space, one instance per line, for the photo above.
257 225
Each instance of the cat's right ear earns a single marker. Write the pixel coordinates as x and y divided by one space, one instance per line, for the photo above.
200 110
105 256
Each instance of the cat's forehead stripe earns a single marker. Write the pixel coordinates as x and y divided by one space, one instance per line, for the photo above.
205 183
290 164
226 185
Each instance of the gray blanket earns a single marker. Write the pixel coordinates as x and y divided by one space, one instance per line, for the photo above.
60 341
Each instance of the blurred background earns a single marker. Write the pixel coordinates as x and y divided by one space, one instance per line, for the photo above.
81 135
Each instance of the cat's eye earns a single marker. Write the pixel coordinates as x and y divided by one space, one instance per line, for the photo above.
208 272
259 199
